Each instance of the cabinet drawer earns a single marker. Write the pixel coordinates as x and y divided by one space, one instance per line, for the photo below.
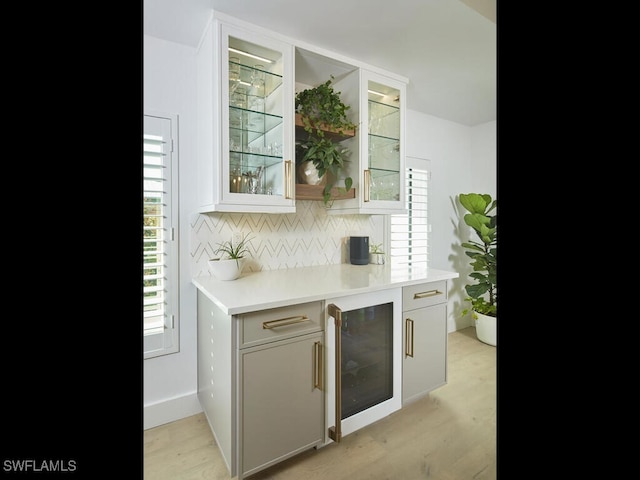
279 323
423 295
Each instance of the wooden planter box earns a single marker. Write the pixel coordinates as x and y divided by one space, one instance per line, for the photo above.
314 192
330 133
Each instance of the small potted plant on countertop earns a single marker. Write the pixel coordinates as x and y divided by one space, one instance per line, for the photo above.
324 119
229 266
483 295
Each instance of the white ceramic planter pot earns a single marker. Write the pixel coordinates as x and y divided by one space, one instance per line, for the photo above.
226 269
376 258
308 173
487 329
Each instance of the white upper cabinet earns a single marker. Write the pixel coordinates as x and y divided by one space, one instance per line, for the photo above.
383 178
245 121
247 81
379 171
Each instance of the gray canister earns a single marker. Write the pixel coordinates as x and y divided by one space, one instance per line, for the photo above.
359 250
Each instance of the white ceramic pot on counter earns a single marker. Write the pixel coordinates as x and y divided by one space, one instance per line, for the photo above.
376 258
228 269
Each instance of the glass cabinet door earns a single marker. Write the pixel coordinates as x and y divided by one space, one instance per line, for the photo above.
257 122
383 180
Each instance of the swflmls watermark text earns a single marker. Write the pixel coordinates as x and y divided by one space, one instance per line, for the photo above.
32 465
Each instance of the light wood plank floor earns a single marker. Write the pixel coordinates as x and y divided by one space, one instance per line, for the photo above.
448 435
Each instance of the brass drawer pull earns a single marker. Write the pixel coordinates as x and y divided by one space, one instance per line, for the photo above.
284 321
428 293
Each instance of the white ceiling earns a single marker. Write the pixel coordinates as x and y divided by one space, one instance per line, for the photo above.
447 48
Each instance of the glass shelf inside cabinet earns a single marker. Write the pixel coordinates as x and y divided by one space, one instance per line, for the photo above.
384 142
256 115
384 119
254 173
255 132
384 153
385 185
252 80
251 124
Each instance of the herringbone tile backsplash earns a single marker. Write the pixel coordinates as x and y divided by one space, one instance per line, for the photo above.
305 238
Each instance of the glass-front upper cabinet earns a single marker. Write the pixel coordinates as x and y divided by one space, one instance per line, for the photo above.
383 179
381 155
248 167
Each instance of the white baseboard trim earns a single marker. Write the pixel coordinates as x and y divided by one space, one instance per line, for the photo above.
171 410
453 325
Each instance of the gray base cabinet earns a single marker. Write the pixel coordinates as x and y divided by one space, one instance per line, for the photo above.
424 339
282 406
261 375
260 382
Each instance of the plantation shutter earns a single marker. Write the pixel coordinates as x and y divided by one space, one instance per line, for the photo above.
409 232
159 246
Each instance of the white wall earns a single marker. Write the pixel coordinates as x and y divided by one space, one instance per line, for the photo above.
463 159
170 381
484 179
484 141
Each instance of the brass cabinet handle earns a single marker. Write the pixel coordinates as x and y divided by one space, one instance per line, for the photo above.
367 185
428 293
287 180
335 432
408 337
317 365
284 321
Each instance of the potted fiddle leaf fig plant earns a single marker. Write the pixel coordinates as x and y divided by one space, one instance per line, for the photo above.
321 111
229 266
483 294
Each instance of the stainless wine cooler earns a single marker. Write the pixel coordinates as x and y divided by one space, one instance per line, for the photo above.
364 359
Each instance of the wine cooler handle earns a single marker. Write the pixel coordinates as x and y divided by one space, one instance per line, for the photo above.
335 432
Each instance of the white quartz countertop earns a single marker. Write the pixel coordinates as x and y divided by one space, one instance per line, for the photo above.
254 291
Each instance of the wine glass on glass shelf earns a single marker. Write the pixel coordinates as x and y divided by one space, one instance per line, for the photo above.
255 179
257 80
374 187
234 74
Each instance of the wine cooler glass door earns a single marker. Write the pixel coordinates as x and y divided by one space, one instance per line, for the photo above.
364 360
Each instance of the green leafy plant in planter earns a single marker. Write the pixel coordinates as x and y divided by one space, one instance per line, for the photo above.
230 265
376 248
329 158
321 109
483 295
234 252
